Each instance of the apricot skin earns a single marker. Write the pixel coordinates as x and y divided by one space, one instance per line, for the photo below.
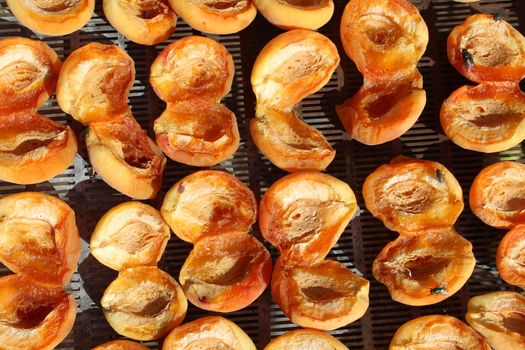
120 345
305 339
290 15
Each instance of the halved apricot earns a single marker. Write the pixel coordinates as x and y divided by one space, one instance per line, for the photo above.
34 148
425 268
383 37
211 332
216 16
39 236
410 195
305 339
144 303
497 195
129 235
325 295
120 345
500 318
34 315
52 17
146 22
29 70
487 48
208 202
296 14
489 117
94 83
437 332
510 257
303 215
384 109
125 157
226 272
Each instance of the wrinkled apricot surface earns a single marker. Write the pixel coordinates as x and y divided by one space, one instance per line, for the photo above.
211 332
411 195
437 332
144 303
500 318
497 194
510 257
226 272
487 48
324 296
426 268
303 215
121 345
305 339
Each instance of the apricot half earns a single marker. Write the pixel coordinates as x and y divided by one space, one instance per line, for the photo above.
305 339
192 74
303 215
296 14
383 37
487 48
500 318
290 67
121 345
497 195
144 303
146 22
425 268
33 315
211 332
510 257
324 296
489 117
437 332
39 236
215 16
208 202
226 272
129 235
411 195
52 17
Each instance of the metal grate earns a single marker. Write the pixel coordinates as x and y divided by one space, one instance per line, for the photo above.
90 197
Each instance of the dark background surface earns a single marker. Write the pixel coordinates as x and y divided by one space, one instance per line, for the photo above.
90 197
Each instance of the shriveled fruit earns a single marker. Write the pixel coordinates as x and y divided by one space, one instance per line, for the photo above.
411 195
226 272
144 303
305 339
425 268
325 295
303 215
510 257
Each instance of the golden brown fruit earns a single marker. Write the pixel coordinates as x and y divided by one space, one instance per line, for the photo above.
146 22
487 48
215 16
384 109
510 257
489 117
437 332
305 339
296 14
411 195
497 195
33 315
290 67
303 215
383 37
425 268
211 332
120 345
208 202
39 236
226 272
52 17
144 303
325 295
500 318
129 235
192 74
